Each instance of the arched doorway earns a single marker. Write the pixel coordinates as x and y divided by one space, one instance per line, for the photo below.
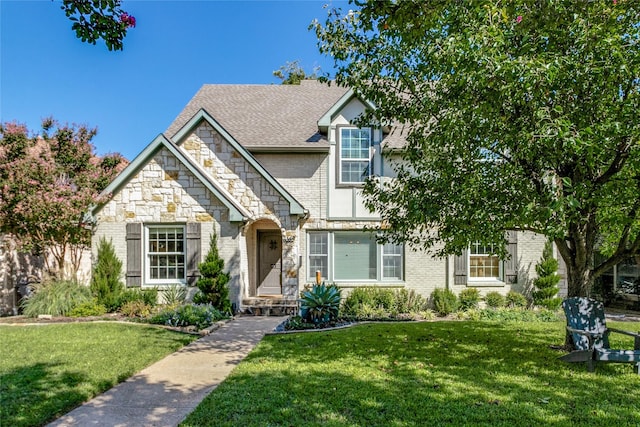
269 259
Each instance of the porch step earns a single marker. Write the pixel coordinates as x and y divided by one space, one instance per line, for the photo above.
270 306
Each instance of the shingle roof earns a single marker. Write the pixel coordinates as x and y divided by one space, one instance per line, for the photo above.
265 116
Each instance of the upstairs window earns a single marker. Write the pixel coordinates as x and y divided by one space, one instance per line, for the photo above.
355 155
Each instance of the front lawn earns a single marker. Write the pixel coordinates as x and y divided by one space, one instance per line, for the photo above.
416 374
47 370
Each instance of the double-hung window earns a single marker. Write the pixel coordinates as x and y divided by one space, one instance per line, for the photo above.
353 256
354 155
483 263
165 254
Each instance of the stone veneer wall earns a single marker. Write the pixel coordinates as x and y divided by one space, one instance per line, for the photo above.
237 176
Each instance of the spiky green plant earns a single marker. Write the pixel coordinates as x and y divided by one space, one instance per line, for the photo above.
57 298
320 304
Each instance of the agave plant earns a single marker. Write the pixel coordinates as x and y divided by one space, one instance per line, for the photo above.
320 304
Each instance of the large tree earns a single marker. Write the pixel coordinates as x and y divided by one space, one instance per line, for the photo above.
95 20
518 115
47 183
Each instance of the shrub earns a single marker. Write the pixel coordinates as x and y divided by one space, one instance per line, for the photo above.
358 298
199 316
469 298
408 301
547 281
212 284
56 298
320 304
494 299
147 296
516 300
444 301
89 308
518 315
105 278
136 308
174 295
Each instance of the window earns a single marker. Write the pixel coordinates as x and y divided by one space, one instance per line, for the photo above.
483 263
355 156
353 256
165 254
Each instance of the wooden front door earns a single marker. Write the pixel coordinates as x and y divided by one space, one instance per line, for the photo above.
269 263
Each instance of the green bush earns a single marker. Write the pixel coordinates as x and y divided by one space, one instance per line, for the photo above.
408 301
199 316
147 296
495 299
56 298
212 284
444 301
358 298
546 283
516 300
320 304
469 298
90 308
105 278
136 309
517 315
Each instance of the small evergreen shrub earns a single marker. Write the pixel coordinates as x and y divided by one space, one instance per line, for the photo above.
320 304
444 301
503 314
55 298
516 300
90 308
105 278
546 283
138 309
358 298
199 316
495 299
469 298
212 284
375 303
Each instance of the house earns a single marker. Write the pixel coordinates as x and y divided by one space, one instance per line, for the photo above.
276 172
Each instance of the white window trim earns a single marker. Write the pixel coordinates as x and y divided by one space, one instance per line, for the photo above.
484 281
331 265
341 159
147 264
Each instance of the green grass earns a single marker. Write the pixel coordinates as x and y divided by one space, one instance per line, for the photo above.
416 374
47 370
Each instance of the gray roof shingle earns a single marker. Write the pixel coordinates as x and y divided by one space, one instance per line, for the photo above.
265 116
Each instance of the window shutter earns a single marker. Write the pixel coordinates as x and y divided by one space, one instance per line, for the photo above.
460 268
134 254
193 252
511 264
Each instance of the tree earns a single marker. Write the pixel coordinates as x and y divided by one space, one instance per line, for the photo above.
547 281
99 19
292 73
106 284
518 115
212 284
47 183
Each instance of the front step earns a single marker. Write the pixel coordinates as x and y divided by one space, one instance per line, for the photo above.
270 306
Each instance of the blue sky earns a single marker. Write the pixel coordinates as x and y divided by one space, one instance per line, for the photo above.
131 96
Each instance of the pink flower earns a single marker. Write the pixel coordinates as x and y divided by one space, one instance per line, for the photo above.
519 19
128 19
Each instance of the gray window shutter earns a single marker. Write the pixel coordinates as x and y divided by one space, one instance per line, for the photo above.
511 264
193 252
134 254
460 268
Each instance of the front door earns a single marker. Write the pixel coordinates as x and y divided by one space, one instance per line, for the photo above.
269 263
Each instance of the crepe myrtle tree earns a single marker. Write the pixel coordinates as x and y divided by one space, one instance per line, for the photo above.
518 115
47 183
99 19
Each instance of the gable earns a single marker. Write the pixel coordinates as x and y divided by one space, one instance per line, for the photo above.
236 212
230 152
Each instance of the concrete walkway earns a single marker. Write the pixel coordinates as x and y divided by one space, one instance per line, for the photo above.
166 392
